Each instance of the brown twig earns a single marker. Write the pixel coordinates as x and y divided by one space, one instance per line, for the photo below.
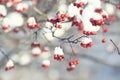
4 54
115 46
40 12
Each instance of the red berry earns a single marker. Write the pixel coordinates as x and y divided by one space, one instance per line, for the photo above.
118 6
112 18
105 29
81 12
36 54
98 10
58 26
78 5
81 4
75 4
5 27
35 44
16 30
91 20
70 69
104 17
45 66
90 44
103 40
99 22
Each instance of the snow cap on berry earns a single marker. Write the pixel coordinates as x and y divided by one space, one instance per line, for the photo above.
21 7
31 21
58 51
45 63
9 65
6 24
36 51
3 11
96 16
86 40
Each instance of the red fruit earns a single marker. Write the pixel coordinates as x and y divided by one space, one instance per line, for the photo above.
71 63
118 6
36 54
105 29
45 66
45 49
104 17
80 27
6 0
58 26
71 18
103 40
16 30
93 33
75 4
77 61
75 23
90 44
98 10
99 22
83 45
78 5
1 15
32 26
5 27
37 25
81 12
58 57
112 18
52 21
91 20
70 69
35 44
89 32
55 56
81 4
9 68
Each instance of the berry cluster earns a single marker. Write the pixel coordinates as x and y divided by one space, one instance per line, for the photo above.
86 42
72 65
32 24
80 3
58 54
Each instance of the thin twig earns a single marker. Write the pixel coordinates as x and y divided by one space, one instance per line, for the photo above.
39 12
115 46
72 49
4 54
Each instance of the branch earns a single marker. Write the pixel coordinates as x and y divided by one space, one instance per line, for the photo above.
40 12
4 54
115 46
68 39
108 1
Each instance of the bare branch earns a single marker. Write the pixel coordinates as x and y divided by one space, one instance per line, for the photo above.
40 12
115 46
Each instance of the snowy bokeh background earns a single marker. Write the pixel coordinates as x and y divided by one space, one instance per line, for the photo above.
100 62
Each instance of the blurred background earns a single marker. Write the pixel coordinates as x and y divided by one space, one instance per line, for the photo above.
100 62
